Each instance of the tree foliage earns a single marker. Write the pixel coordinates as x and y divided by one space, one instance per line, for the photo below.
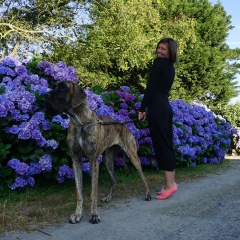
120 45
112 43
33 26
204 72
121 41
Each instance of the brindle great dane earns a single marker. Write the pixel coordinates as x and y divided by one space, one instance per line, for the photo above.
89 137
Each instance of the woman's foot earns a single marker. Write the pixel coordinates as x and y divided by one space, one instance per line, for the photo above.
164 194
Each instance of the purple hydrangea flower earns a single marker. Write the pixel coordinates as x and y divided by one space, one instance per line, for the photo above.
123 105
137 105
43 65
21 70
119 161
145 161
65 172
8 61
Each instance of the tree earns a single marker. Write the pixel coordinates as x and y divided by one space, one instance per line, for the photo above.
121 40
204 72
112 43
33 26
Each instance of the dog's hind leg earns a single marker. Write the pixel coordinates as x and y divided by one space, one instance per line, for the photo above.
131 150
108 159
77 168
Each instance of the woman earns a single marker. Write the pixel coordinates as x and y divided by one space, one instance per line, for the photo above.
155 102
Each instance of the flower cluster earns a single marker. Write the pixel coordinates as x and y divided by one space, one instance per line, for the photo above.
96 104
65 172
22 117
59 71
25 172
18 101
199 136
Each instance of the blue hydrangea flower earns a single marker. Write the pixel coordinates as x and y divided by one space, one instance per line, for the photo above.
86 167
52 143
13 163
34 168
125 88
14 129
3 111
21 182
22 168
45 163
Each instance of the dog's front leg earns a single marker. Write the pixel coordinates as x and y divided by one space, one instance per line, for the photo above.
77 168
95 218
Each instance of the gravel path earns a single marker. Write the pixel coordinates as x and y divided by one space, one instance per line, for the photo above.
206 208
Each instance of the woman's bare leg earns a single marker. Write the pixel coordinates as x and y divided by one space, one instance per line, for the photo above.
169 179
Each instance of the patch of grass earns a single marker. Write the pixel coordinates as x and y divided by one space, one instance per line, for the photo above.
50 203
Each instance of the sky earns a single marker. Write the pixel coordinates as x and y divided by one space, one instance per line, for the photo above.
232 7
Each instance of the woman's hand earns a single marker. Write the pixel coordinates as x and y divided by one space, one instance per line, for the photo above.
142 116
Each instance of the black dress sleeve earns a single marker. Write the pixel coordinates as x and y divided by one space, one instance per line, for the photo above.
152 83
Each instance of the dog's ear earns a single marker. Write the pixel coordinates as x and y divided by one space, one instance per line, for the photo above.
78 96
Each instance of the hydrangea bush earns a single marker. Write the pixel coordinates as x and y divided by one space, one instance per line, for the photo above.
33 142
200 136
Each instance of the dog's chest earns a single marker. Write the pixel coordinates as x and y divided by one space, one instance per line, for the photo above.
86 141
80 138
80 141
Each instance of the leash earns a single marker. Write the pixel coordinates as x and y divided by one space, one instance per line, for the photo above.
108 123
77 121
114 123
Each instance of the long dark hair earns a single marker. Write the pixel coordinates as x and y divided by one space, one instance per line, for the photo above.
172 46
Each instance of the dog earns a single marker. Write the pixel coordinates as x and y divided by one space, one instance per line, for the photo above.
90 135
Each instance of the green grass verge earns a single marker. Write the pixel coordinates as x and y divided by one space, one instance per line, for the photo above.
50 203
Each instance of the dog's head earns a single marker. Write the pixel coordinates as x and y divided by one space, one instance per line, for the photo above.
65 95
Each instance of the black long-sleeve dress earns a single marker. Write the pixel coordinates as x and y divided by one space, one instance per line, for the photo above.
160 112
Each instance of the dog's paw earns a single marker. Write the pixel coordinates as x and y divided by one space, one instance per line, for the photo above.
75 218
148 197
94 219
106 199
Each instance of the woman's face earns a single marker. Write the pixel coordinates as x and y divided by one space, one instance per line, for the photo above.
163 50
